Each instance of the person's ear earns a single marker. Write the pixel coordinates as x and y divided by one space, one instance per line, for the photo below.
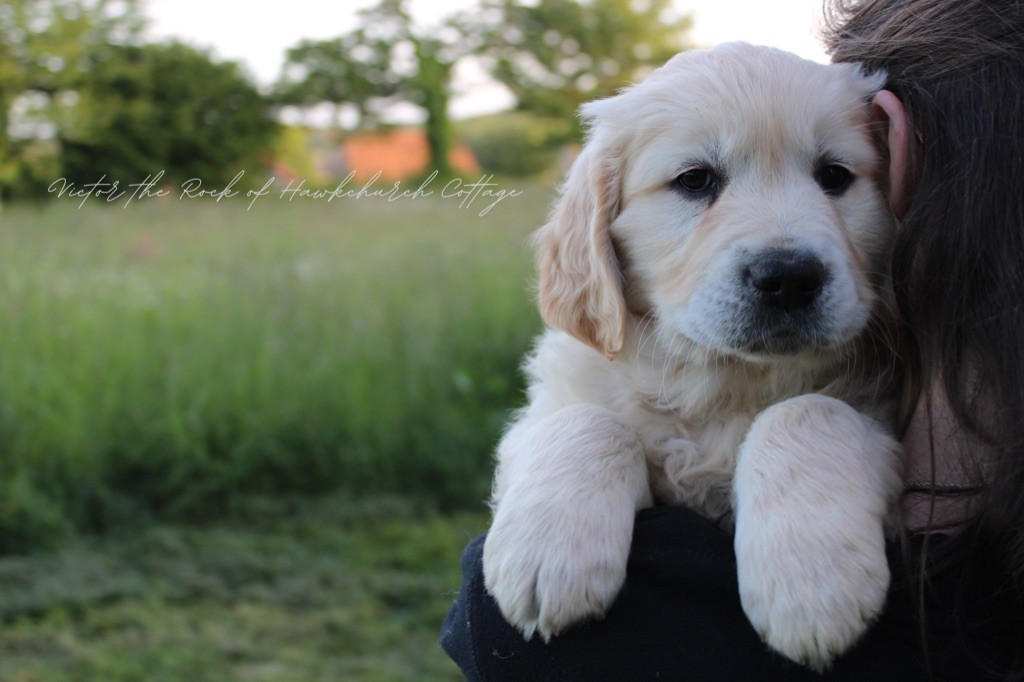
887 110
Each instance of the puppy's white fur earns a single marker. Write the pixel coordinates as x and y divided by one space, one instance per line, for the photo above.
656 380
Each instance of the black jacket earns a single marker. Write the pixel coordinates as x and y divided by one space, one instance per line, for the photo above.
679 618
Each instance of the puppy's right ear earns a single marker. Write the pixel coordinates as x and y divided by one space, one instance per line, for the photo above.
580 289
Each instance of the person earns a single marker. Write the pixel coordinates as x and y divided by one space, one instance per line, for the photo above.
951 122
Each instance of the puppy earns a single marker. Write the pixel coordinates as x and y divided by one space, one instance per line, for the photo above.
714 278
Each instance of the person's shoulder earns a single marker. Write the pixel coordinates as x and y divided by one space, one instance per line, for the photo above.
678 617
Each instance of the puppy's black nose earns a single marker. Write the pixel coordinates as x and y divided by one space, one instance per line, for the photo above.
786 280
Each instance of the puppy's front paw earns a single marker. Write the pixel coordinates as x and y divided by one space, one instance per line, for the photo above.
810 598
548 571
810 517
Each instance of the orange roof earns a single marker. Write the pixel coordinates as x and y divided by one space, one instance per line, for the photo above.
399 154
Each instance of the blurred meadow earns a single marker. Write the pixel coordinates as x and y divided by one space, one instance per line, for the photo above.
250 443
159 359
307 394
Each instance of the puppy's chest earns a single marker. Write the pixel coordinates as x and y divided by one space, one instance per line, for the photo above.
692 438
714 412
691 459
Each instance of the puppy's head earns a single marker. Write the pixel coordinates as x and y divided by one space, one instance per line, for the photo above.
733 197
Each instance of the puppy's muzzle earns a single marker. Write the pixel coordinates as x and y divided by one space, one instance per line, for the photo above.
784 294
785 280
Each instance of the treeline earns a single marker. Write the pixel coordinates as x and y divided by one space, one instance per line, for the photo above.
83 94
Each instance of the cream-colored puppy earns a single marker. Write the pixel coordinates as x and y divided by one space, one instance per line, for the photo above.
714 276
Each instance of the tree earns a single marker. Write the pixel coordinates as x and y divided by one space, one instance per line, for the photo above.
44 54
344 72
431 92
12 83
142 109
385 59
556 54
50 40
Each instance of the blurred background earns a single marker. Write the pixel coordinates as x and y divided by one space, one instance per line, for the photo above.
245 436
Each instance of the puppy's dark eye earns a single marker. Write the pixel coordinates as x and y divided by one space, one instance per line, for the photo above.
697 181
834 179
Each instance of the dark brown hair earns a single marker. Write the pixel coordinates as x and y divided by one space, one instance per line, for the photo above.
958 263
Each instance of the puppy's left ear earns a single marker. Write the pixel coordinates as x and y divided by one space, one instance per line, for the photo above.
580 289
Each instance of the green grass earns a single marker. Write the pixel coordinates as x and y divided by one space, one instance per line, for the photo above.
249 445
281 589
163 361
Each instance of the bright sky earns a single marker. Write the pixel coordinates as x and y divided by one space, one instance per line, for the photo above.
258 34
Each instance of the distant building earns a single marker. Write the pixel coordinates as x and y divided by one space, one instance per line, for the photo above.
398 154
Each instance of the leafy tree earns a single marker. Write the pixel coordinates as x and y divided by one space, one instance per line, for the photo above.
385 59
12 83
44 54
556 54
50 41
168 107
344 72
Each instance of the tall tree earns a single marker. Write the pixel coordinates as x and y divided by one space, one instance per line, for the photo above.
387 58
556 54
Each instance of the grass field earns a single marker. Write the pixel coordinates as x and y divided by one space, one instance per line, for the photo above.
160 360
249 445
281 590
